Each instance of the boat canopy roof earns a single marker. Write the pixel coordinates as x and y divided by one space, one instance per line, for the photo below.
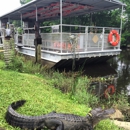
50 9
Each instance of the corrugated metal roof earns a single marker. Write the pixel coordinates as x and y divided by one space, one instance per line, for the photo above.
49 9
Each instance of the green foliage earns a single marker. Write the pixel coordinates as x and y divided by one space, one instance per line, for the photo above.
18 86
32 68
61 82
16 64
16 23
121 101
20 30
48 23
24 1
21 64
40 94
82 95
126 23
107 125
1 55
74 84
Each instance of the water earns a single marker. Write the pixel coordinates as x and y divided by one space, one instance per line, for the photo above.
116 71
117 67
121 64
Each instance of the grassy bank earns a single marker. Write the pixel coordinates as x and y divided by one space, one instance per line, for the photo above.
41 96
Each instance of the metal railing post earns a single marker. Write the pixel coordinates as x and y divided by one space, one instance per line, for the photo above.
21 27
61 25
0 24
28 38
103 30
86 38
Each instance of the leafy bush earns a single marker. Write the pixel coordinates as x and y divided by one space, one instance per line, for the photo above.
82 95
2 56
16 64
73 84
107 125
61 82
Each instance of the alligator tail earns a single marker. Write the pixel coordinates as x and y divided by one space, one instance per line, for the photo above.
17 104
18 120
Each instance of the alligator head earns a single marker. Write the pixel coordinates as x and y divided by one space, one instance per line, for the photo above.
99 114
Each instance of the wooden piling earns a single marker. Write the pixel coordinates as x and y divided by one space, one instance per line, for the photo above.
38 53
37 43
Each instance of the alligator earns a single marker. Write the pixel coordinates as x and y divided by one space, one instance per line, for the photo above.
55 121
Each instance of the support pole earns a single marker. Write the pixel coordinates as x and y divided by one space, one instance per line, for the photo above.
36 14
0 24
86 38
103 31
37 41
21 20
8 20
61 24
0 32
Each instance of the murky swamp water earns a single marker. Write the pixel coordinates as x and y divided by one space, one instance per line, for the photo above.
116 71
118 68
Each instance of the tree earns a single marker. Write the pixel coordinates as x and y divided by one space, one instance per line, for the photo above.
24 1
126 26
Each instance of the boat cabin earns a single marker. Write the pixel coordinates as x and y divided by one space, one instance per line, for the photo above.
62 42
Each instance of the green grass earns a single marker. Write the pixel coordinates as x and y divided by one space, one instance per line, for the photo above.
41 97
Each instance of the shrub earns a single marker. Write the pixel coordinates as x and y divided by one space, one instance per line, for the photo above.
16 64
61 82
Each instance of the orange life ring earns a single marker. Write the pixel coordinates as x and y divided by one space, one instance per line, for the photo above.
111 39
109 91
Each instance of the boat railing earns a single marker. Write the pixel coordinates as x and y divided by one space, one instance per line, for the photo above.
87 38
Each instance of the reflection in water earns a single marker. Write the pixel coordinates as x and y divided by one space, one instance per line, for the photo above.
102 88
99 70
119 67
122 64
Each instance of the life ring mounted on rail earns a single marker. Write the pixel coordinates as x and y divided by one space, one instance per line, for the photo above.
109 91
114 38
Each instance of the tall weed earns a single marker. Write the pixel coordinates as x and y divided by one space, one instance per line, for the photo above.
61 82
74 83
16 64
82 95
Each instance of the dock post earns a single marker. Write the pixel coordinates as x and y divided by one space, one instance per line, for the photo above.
86 38
37 43
37 53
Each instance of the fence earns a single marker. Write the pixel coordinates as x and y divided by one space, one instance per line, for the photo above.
87 38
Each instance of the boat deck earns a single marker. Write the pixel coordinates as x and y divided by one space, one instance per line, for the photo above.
84 45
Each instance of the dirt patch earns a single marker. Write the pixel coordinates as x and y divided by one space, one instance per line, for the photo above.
117 115
118 119
122 124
